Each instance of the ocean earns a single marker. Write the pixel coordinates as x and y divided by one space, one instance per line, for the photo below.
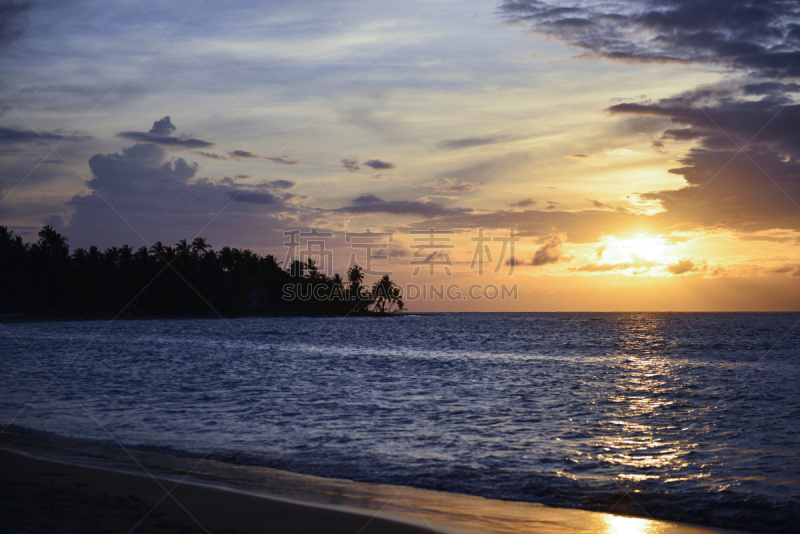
690 417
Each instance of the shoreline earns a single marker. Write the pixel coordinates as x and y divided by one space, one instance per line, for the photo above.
47 483
47 496
11 318
59 318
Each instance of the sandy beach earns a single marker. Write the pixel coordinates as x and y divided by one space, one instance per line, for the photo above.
41 495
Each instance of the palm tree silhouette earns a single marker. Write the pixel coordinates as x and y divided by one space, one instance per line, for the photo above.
199 245
355 275
44 278
385 294
337 281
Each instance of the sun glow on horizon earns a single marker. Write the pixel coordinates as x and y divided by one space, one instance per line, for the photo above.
650 248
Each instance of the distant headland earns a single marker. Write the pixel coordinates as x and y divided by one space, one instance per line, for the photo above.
45 281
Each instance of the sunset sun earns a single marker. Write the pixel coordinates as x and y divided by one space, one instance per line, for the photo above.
651 248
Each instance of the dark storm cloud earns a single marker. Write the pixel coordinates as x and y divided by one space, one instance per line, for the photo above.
427 210
762 37
379 165
159 135
11 20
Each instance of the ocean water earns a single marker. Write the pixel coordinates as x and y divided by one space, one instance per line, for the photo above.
686 417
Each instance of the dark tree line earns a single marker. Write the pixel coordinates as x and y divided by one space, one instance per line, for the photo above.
44 278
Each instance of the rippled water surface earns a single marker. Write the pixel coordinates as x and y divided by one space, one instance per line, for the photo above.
689 417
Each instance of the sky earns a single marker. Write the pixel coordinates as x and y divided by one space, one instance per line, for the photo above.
645 156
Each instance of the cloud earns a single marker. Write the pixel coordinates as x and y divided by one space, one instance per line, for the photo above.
11 20
163 199
367 199
351 164
598 252
469 142
269 184
244 154
159 135
379 165
277 184
762 38
640 266
602 267
590 158
770 88
549 252
372 204
451 185
768 238
523 203
163 127
11 136
745 192
282 160
208 154
580 226
686 265
792 270
725 188
718 117
253 197
598 204
237 154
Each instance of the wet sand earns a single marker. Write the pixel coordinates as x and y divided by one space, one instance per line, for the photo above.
38 495
42 496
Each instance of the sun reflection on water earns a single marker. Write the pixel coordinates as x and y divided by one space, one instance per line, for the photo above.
639 435
615 524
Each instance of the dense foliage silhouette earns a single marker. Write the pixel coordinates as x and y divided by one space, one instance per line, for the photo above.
43 278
